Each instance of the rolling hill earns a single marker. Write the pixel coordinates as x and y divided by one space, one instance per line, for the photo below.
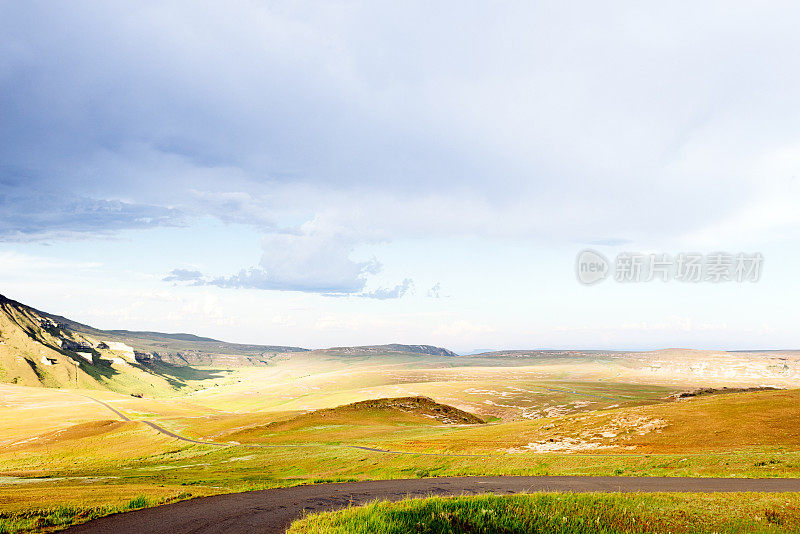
375 416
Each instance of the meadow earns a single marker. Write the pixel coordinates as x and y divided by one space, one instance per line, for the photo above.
65 457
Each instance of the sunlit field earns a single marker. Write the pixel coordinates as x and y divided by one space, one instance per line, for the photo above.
279 425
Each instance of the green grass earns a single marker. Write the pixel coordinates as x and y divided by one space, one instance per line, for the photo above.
48 519
209 470
127 459
89 466
140 501
40 519
555 513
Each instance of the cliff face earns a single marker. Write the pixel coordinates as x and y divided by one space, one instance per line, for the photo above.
36 350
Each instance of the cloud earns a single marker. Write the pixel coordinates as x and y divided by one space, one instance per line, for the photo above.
302 262
183 275
32 215
253 278
609 127
315 257
391 293
434 292
312 258
258 278
510 127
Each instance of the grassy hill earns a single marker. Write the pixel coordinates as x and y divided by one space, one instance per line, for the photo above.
357 420
41 349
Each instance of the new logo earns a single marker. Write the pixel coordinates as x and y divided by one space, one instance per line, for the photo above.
591 267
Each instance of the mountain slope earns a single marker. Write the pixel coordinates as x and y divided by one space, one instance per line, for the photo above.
180 349
41 349
38 351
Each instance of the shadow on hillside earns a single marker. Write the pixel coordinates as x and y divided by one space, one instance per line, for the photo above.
177 375
98 369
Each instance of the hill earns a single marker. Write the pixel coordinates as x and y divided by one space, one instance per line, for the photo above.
42 349
38 351
390 409
710 423
428 350
180 348
684 367
350 421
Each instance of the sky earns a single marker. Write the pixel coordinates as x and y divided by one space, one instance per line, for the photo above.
341 173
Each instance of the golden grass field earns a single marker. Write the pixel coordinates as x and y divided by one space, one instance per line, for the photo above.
60 448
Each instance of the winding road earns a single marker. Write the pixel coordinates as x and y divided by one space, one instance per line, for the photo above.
271 511
159 428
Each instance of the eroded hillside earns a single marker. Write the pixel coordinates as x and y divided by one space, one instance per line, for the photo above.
40 349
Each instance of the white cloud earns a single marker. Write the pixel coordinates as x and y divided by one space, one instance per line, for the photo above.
313 258
435 291
384 293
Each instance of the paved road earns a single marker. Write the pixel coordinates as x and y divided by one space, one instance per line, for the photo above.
107 405
271 511
151 424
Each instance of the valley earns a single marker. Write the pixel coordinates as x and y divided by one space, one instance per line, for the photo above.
133 426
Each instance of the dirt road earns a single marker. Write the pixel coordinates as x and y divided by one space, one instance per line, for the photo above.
271 511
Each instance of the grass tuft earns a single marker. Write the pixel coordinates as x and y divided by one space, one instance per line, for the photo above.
49 519
140 501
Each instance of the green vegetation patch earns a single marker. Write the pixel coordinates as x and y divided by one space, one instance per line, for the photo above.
49 519
590 513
